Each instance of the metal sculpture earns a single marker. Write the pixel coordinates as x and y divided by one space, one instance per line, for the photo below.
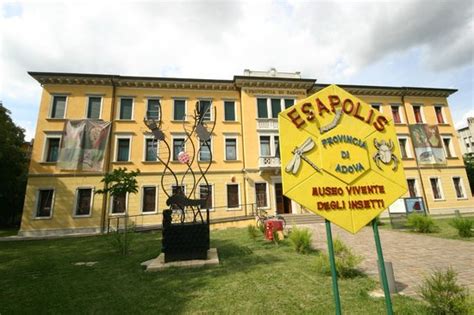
185 231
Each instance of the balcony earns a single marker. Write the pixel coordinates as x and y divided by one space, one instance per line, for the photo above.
267 124
269 163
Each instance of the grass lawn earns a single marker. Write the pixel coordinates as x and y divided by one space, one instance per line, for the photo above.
443 230
254 277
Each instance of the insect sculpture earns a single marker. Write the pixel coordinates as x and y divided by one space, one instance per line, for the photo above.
385 154
298 154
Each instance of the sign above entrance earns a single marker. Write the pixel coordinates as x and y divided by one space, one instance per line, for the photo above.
340 158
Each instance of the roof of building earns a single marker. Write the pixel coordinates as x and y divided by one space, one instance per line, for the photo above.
239 81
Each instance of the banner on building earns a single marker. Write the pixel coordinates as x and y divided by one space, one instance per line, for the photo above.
428 144
83 145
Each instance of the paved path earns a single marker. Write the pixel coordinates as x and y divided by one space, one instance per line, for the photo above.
413 255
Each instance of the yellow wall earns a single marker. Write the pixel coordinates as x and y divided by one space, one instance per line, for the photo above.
244 171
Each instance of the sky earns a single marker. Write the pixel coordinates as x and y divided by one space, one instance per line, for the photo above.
423 43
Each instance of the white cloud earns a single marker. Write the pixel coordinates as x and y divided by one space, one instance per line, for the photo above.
330 41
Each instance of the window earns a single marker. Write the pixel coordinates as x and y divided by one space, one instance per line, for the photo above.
178 146
119 204
52 149
176 189
403 147
205 110
261 195
44 206
417 113
149 199
126 108
205 150
289 103
458 187
205 192
230 149
153 109
94 107
151 149
447 147
179 112
396 114
229 111
435 186
83 204
233 196
375 106
412 187
276 107
276 143
265 146
58 108
262 108
123 149
439 114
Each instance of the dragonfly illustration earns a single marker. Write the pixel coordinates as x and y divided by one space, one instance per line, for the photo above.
294 165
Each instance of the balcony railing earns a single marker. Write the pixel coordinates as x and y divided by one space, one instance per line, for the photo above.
269 162
267 123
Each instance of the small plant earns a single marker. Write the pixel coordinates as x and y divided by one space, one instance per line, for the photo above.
252 231
301 240
420 223
463 225
121 239
346 261
443 295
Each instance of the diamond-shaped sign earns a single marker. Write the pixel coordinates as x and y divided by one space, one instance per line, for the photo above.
340 158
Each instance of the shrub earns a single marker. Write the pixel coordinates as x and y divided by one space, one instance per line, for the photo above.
301 240
122 239
252 231
346 261
463 225
443 295
421 223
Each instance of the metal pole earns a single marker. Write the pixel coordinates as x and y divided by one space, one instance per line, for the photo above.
388 301
332 262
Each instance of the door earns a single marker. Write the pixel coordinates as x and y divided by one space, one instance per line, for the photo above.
283 204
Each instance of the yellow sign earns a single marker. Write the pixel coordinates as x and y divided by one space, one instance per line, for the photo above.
340 158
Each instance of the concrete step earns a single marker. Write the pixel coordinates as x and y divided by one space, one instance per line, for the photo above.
307 218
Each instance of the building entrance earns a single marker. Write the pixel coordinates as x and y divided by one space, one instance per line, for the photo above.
283 204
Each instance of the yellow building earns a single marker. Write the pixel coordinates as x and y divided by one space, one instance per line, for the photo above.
245 171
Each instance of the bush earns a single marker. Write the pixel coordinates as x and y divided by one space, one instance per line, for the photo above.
347 262
122 239
463 225
420 223
252 231
301 240
443 295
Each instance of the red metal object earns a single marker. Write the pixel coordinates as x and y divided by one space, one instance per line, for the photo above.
272 226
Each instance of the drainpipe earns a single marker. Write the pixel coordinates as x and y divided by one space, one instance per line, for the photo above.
404 93
244 170
108 154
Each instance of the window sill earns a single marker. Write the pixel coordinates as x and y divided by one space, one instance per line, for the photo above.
82 216
234 209
55 119
213 161
232 161
462 198
149 213
230 122
179 121
151 162
442 199
48 163
124 120
122 162
43 218
400 124
124 214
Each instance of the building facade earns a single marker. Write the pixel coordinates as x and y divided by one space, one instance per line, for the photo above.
245 170
466 137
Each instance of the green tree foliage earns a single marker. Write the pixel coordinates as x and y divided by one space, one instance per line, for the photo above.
469 162
119 182
13 170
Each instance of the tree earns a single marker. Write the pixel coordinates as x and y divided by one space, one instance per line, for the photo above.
469 162
13 169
